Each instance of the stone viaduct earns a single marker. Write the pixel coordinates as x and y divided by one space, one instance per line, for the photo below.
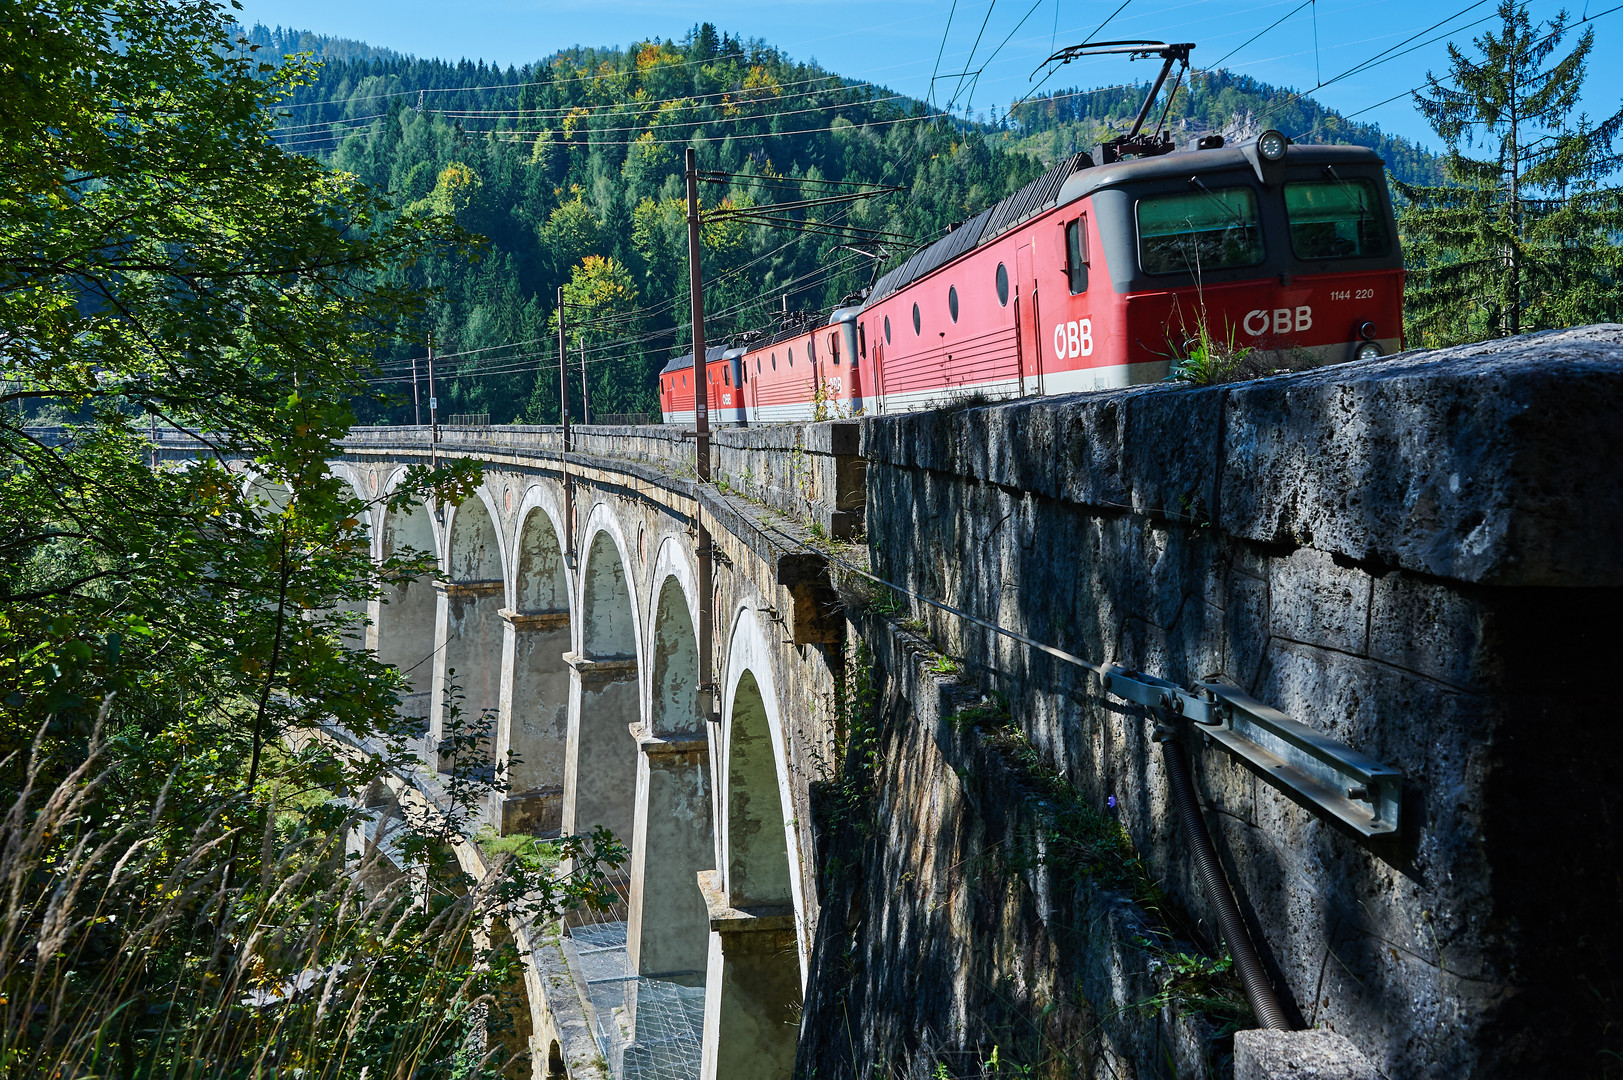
1409 556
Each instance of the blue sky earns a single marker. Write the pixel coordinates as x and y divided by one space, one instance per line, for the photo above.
903 43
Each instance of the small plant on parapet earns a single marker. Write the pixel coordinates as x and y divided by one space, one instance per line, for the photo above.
990 713
884 603
1206 359
946 667
1191 982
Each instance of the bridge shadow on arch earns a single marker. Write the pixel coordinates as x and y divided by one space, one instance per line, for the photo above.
753 978
601 771
402 615
532 736
468 633
672 837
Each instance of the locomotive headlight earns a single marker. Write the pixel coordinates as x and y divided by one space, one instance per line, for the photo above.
1271 145
1369 350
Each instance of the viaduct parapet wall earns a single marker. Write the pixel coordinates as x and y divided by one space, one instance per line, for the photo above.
1417 556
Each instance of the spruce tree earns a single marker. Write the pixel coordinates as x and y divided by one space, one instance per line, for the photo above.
1522 237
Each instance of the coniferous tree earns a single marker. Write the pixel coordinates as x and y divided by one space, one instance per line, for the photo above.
1522 237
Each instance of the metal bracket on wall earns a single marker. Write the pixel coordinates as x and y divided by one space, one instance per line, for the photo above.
1311 768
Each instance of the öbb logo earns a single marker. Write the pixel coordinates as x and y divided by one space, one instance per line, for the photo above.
1283 321
1073 338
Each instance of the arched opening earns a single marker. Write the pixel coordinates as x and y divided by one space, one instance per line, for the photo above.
601 775
752 981
403 615
533 734
757 847
674 696
468 642
668 924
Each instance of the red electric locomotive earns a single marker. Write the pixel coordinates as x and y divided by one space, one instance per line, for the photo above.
1101 276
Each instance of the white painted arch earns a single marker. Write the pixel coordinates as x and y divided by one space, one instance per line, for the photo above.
749 652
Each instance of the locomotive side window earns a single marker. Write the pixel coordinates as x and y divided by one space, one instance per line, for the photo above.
791 356
1335 219
1206 229
887 329
916 330
952 302
774 361
1076 256
1002 285
834 347
862 339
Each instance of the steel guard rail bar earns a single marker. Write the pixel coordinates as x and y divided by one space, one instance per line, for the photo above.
1312 769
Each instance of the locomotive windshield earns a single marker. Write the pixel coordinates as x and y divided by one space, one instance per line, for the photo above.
1204 229
1334 219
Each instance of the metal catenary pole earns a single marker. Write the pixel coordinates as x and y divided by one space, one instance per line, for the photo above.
563 419
701 445
433 411
416 402
585 390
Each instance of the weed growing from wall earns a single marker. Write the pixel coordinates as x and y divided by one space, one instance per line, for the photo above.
847 782
1084 845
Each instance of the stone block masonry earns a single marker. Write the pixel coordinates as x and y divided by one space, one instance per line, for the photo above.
1417 555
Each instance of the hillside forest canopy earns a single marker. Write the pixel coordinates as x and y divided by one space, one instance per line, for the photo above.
572 169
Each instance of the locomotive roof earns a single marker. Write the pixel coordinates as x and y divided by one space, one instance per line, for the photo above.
1039 195
1087 181
1075 177
712 353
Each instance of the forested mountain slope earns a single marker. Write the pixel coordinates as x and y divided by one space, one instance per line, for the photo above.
572 167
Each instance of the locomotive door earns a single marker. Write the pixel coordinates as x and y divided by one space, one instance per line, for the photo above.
877 375
1026 316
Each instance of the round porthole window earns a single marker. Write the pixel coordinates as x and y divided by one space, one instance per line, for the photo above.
1003 284
887 329
952 302
916 323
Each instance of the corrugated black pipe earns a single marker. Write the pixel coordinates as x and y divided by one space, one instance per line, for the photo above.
1258 990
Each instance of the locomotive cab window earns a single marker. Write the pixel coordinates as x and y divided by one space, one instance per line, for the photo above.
1204 229
1076 256
834 347
862 340
1335 219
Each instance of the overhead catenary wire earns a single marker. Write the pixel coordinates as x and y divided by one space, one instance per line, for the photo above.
628 109
525 361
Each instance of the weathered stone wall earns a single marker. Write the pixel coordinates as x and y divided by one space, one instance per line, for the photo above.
1416 556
